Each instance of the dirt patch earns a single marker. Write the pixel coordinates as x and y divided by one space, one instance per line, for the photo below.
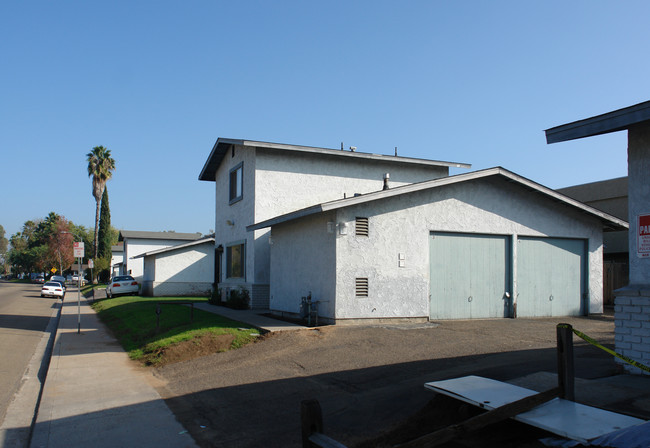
203 345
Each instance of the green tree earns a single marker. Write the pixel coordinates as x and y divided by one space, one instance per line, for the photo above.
105 236
4 243
100 167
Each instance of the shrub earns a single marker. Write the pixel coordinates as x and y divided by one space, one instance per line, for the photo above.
215 297
238 299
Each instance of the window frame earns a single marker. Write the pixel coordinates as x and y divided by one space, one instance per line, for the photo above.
229 260
238 172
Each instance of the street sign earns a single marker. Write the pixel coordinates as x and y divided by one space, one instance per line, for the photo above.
53 270
78 249
90 263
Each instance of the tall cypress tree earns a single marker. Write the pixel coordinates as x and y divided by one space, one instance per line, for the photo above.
104 233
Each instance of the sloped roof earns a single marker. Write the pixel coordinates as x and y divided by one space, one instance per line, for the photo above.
223 145
157 235
608 220
208 239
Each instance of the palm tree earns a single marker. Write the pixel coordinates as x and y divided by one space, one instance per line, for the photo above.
100 166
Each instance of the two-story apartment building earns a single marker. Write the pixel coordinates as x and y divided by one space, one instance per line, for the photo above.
256 181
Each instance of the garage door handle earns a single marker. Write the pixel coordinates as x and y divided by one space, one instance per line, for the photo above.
470 298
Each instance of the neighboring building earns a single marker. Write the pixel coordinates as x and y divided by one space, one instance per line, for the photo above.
117 259
137 242
609 196
183 270
632 310
256 181
484 244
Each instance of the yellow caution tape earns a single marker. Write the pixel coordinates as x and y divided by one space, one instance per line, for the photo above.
593 342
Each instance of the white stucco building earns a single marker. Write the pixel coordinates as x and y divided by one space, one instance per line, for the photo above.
483 244
138 242
182 270
256 181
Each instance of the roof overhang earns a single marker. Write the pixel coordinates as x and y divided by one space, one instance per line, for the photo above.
618 120
223 145
609 221
177 247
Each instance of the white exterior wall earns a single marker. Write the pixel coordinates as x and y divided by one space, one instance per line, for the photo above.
303 260
116 258
137 246
183 272
402 225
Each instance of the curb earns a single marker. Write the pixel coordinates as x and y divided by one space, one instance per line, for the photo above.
18 426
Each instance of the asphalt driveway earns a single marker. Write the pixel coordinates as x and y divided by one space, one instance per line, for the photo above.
367 379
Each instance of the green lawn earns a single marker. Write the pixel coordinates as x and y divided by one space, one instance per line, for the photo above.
133 321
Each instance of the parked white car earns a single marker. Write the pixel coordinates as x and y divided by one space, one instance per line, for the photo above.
57 278
53 289
122 284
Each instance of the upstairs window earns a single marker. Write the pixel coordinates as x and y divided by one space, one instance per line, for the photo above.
236 189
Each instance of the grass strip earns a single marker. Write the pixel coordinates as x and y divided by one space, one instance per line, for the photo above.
133 319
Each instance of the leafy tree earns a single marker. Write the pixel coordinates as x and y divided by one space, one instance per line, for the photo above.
100 167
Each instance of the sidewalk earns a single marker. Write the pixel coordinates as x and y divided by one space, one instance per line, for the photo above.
95 396
253 318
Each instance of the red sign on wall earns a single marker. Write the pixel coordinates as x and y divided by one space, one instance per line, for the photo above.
643 236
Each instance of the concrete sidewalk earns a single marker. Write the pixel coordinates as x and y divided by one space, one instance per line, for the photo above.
95 396
254 318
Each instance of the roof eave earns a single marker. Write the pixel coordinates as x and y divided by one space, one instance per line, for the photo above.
614 121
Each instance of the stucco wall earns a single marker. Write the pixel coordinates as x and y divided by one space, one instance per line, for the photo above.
240 213
303 261
137 246
185 272
402 225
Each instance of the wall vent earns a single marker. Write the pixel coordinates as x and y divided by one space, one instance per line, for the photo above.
361 287
361 226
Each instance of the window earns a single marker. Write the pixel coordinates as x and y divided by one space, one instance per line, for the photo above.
236 190
235 261
361 226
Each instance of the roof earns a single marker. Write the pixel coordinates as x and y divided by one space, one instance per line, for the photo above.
223 145
608 220
617 120
157 235
208 239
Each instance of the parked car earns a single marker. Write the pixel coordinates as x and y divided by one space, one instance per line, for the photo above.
53 289
39 279
122 284
58 278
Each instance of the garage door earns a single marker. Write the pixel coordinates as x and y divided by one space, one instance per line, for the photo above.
550 277
470 275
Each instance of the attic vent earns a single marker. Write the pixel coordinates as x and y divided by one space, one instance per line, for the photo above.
361 287
361 226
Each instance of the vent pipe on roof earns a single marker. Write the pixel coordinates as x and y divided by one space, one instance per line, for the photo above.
395 151
386 177
341 146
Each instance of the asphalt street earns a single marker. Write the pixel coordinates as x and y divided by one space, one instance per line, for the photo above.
24 317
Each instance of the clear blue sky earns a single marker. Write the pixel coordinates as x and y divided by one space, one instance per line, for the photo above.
157 82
